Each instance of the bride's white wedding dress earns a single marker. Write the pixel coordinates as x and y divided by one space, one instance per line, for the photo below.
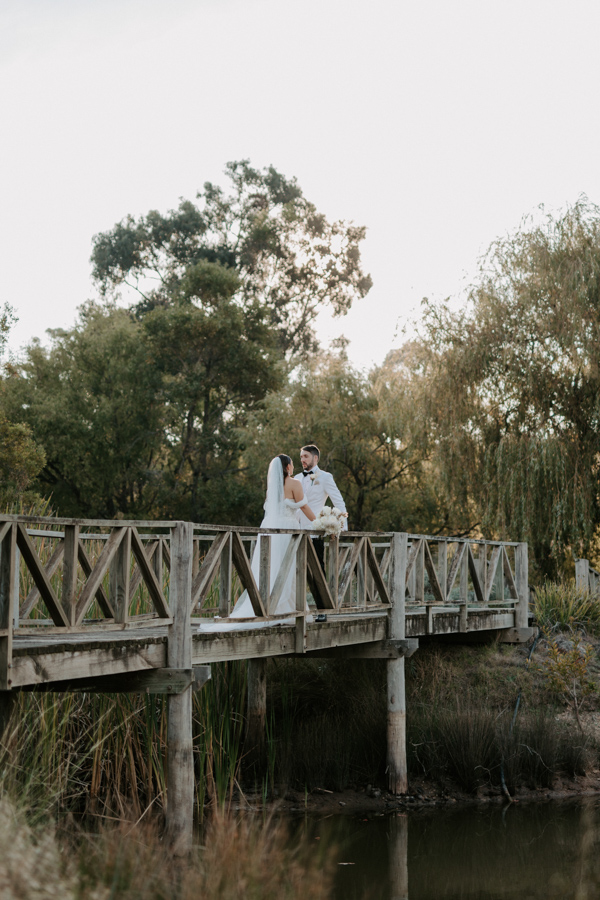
279 513
285 517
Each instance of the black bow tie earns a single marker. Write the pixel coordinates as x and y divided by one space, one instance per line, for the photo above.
305 473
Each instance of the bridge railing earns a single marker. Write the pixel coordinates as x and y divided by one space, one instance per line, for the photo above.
73 575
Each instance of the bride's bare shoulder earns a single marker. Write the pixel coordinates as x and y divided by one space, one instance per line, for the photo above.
295 489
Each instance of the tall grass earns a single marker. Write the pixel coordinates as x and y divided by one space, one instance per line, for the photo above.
239 858
564 607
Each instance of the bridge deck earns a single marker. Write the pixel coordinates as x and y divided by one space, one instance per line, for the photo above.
39 657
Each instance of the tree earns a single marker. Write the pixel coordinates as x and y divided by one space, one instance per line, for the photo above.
142 417
512 386
21 458
367 435
287 256
217 361
91 401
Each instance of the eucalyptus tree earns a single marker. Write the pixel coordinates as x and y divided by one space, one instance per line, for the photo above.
288 257
513 386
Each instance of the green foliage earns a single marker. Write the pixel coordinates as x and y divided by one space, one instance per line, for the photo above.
564 607
141 418
511 386
567 670
21 460
287 256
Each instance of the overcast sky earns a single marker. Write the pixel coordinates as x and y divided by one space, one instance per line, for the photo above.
436 123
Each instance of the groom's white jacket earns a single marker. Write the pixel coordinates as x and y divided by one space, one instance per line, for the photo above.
316 492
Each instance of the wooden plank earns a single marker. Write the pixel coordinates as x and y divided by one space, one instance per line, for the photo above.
419 570
373 650
348 571
412 556
473 570
491 571
70 565
284 572
464 591
101 595
333 566
264 570
74 663
242 566
33 563
301 600
431 571
454 566
508 574
225 579
442 568
317 580
86 598
205 575
119 579
522 582
51 566
166 554
148 574
380 585
148 681
8 602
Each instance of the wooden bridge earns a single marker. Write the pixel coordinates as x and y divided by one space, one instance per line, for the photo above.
144 606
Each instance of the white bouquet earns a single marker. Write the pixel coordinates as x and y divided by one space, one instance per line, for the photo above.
330 520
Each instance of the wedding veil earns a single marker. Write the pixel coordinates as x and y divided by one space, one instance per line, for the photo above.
274 499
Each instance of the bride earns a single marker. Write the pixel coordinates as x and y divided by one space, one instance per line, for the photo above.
284 497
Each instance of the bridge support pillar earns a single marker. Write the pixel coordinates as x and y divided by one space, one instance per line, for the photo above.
180 759
257 713
396 696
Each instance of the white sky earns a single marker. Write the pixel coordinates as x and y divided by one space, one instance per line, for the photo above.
436 123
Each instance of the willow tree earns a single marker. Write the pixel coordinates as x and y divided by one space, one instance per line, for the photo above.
513 383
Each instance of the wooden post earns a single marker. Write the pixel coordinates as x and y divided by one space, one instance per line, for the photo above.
419 570
396 697
443 567
582 574
225 580
119 579
180 761
398 856
257 713
300 646
69 580
464 591
522 579
333 562
8 554
264 572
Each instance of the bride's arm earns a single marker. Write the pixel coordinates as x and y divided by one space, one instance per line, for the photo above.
298 494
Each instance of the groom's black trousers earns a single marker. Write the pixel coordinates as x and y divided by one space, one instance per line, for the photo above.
319 545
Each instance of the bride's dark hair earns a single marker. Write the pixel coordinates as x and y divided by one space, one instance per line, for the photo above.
285 461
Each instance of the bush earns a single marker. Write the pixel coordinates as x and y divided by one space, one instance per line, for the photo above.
564 607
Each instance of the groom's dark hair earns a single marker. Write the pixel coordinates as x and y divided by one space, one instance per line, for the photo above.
311 448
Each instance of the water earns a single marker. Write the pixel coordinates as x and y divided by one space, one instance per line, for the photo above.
544 850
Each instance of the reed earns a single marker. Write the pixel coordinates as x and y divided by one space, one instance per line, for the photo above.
565 607
128 861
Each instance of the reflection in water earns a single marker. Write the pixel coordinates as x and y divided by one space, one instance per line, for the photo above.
532 852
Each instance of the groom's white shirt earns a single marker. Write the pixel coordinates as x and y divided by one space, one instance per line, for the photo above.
316 492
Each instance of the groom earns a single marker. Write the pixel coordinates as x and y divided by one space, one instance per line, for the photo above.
318 486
